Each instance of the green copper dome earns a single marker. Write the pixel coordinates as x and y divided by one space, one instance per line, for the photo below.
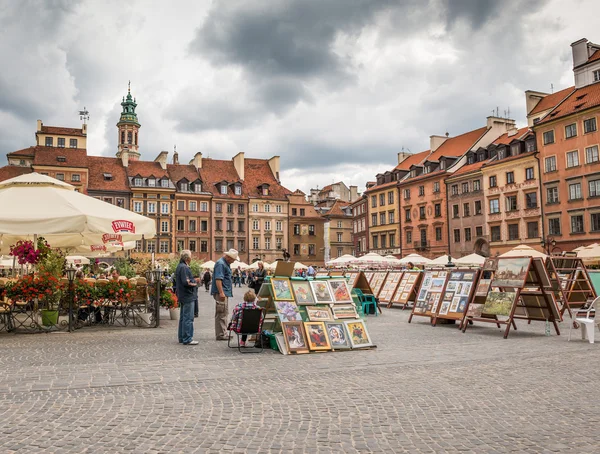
128 114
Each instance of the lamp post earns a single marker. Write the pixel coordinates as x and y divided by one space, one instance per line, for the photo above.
71 277
450 264
548 243
157 274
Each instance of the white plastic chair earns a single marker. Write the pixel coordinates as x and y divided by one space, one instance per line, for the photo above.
586 323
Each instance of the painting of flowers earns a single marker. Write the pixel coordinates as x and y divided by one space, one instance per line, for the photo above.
282 291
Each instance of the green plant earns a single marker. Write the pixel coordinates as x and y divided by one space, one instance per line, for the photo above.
53 263
124 267
168 299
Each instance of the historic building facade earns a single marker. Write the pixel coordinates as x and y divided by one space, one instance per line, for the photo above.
360 226
306 231
338 230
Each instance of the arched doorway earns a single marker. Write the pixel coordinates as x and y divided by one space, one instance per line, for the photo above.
482 248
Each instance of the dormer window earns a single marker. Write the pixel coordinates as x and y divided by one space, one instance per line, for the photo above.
198 187
426 169
61 159
183 186
137 181
164 183
265 190
413 173
223 189
151 182
471 159
514 149
442 164
501 153
107 176
238 189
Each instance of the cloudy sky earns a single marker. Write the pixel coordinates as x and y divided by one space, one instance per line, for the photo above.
334 87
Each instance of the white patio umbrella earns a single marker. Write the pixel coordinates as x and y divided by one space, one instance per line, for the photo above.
300 266
7 262
471 259
416 259
77 260
210 265
522 250
343 260
372 258
239 264
590 252
35 204
441 260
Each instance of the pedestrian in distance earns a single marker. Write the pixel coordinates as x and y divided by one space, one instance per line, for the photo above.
206 278
221 290
185 284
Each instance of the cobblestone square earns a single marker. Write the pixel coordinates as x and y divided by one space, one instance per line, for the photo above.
424 389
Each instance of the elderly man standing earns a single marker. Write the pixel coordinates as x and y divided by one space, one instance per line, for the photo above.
184 285
222 290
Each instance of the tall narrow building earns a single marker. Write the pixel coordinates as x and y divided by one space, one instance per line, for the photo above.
128 127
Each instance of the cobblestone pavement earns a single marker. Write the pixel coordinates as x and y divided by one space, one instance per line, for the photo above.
424 389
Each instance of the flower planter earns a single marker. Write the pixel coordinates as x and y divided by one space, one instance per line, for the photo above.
49 317
174 313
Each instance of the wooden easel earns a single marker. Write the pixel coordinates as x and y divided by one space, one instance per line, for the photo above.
389 288
433 299
407 291
378 282
571 282
459 277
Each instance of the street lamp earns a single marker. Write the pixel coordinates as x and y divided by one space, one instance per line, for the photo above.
71 277
450 264
547 243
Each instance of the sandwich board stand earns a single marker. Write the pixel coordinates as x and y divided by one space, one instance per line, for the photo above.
571 283
357 279
430 294
459 291
369 275
377 282
524 293
389 288
406 290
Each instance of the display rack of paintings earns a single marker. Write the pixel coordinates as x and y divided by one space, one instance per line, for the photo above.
459 290
359 280
340 291
322 273
351 277
378 281
369 275
389 288
571 283
430 294
406 291
520 289
336 273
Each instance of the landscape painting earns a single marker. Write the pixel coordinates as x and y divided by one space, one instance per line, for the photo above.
499 303
511 272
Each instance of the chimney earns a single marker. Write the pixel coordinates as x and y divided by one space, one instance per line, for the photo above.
162 159
197 161
436 141
238 163
39 125
580 52
176 158
402 156
125 157
274 164
353 193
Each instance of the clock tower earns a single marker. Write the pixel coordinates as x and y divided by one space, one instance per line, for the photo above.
128 128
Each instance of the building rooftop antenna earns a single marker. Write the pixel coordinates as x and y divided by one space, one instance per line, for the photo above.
551 88
84 115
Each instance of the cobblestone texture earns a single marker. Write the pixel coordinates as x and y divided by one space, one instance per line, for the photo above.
424 389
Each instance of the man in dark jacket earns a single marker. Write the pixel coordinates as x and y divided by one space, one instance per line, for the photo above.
185 284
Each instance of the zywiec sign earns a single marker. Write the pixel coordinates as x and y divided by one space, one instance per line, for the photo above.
95 248
123 226
112 238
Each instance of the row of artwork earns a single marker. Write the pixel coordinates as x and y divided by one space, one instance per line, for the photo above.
333 291
289 311
395 286
303 337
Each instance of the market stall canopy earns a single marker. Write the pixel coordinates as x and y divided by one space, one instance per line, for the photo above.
35 204
235 265
77 260
591 252
372 258
343 260
471 259
416 259
210 265
522 250
300 266
442 260
392 260
8 262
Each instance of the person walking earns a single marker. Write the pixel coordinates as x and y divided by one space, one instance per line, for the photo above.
221 290
259 277
236 277
206 278
185 284
244 275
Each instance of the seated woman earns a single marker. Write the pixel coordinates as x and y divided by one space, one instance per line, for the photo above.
236 318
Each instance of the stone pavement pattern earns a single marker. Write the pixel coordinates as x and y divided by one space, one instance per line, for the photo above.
423 389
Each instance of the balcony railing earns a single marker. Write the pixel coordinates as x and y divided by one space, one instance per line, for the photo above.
421 245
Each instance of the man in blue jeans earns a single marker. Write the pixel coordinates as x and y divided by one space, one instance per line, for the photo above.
184 285
222 290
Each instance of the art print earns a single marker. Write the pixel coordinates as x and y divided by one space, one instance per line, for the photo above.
342 312
437 284
489 265
317 313
321 291
444 308
499 303
483 287
468 276
405 296
317 336
436 302
451 287
341 291
511 272
475 310
338 335
455 303
282 290
302 292
427 281
322 274
295 339
466 289
359 336
288 311
456 276
463 304
412 278
422 294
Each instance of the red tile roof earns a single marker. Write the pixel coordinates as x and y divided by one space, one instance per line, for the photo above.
336 209
505 139
48 156
595 56
457 146
178 172
381 186
101 165
548 102
469 168
258 172
146 169
414 159
491 163
581 99
62 131
27 152
8 172
217 170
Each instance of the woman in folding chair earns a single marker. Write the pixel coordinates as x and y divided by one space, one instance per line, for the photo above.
237 318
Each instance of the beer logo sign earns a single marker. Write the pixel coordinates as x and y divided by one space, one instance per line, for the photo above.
112 238
95 247
123 226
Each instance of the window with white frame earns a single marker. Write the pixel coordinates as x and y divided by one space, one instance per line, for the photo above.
572 158
164 246
151 246
267 225
278 243
255 242
554 226
238 189
137 181
279 226
589 125
181 205
192 206
137 207
591 154
339 237
548 137
552 195
164 226
594 188
203 206
494 206
224 189
184 186
164 208
267 208
596 75
575 191
255 225
571 130
151 207
151 182
255 207
267 243
577 224
550 164
277 208
339 224
164 183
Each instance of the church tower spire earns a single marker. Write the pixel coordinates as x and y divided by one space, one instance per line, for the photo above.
128 127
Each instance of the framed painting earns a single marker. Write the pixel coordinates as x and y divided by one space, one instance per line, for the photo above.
346 311
282 290
489 265
511 272
338 335
499 303
318 313
316 335
295 338
321 292
483 287
359 336
288 311
302 293
340 290
475 310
